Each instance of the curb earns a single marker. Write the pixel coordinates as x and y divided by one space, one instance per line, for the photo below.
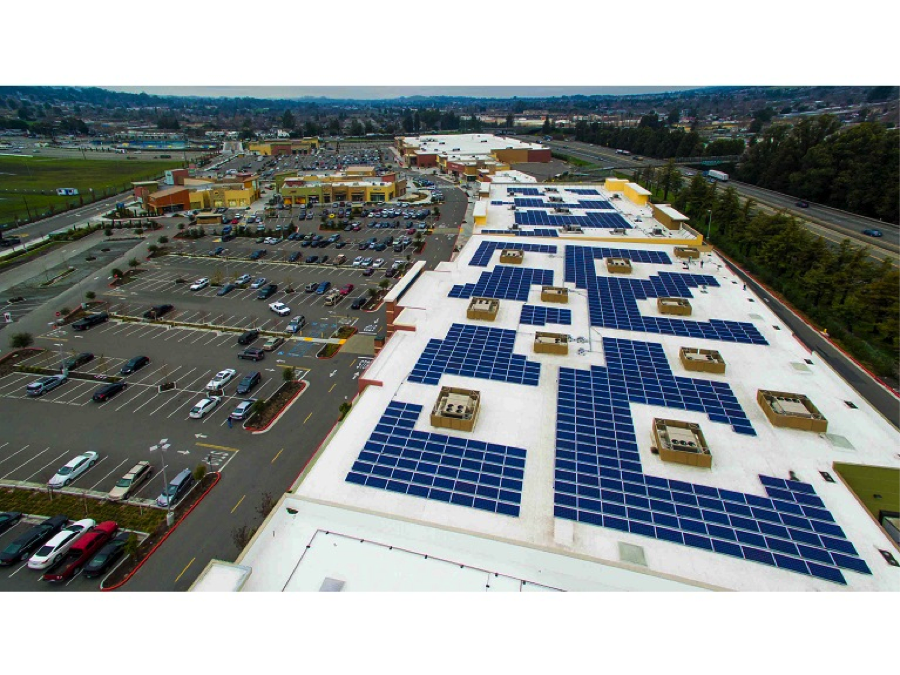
165 536
281 412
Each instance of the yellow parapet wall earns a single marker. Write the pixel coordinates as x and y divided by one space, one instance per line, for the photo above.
636 194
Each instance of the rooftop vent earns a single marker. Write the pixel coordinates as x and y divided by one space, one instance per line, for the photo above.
702 360
483 309
618 230
677 306
681 443
618 265
456 409
794 411
551 343
512 256
558 294
686 252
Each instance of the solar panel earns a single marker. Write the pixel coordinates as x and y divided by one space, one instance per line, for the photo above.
537 232
486 249
505 282
461 471
600 479
534 315
522 191
475 351
582 191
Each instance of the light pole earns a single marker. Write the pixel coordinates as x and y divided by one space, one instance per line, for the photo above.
60 345
162 446
708 224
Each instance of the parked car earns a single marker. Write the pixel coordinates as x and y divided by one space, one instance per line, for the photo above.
219 250
158 311
369 271
359 303
248 337
272 343
74 362
259 283
8 519
106 556
294 257
107 391
296 324
267 292
252 354
248 382
243 409
21 547
73 469
243 279
378 263
226 289
357 262
133 365
200 284
82 550
322 287
259 253
59 544
221 378
90 321
41 386
345 290
176 489
128 483
203 406
280 308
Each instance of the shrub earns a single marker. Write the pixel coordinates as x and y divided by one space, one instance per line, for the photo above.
21 340
108 231
199 472
117 273
90 295
287 374
163 240
133 263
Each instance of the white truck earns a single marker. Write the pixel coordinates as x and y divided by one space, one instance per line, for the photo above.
720 176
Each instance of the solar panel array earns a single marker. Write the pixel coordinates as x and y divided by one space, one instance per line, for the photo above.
600 479
612 301
483 255
534 315
532 203
590 219
501 203
505 282
522 191
537 232
582 191
475 351
596 204
460 471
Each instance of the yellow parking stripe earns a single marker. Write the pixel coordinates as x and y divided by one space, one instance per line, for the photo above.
218 447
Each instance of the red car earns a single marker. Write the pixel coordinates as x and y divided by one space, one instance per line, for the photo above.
235 221
82 551
346 289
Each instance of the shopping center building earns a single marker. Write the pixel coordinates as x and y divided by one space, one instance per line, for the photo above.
468 156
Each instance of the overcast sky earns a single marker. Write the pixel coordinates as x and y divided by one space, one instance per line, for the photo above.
345 92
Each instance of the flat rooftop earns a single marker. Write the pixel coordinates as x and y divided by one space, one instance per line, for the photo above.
558 485
463 145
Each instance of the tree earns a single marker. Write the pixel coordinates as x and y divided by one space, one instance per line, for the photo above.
117 273
20 340
287 120
266 503
163 240
288 374
133 263
241 536
674 117
199 472
108 231
90 295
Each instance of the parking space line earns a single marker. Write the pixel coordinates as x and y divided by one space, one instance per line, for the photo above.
276 456
8 457
16 380
94 486
50 463
134 387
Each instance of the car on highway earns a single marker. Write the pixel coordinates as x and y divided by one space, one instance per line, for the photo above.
296 324
267 292
280 308
226 289
203 406
133 365
127 484
803 204
248 382
248 337
52 551
221 378
90 321
346 289
873 233
252 354
81 551
243 279
76 361
107 391
273 343
73 469
43 385
200 284
21 547
243 409
8 519
177 488
106 556
158 311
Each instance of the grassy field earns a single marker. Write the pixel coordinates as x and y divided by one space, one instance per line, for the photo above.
33 180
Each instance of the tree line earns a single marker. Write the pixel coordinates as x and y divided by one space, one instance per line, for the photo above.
653 140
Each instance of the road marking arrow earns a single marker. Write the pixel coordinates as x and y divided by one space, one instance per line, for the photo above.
183 452
333 372
199 435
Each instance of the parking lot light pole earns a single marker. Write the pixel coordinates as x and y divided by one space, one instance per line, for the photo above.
162 446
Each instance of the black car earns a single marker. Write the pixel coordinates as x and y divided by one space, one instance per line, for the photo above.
8 519
217 251
73 362
311 259
248 337
294 257
359 303
226 289
803 204
268 291
246 385
158 311
107 555
134 365
6 242
107 391
90 321
252 354
25 544
323 260
256 255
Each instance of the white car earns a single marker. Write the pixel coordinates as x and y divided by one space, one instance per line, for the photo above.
203 406
200 284
52 552
378 263
243 279
270 240
73 469
280 308
259 283
222 378
357 261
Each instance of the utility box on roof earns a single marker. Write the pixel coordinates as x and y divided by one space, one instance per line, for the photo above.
558 294
676 306
686 252
551 343
483 309
512 256
618 265
794 411
681 443
702 360
456 409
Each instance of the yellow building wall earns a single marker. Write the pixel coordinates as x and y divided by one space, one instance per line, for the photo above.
615 184
635 195
260 148
512 156
199 199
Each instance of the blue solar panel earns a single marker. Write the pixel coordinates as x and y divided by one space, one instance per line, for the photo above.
612 301
600 479
537 217
505 282
539 316
460 471
596 204
537 232
522 191
486 249
475 351
582 191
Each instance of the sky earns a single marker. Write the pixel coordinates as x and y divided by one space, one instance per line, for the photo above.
388 92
